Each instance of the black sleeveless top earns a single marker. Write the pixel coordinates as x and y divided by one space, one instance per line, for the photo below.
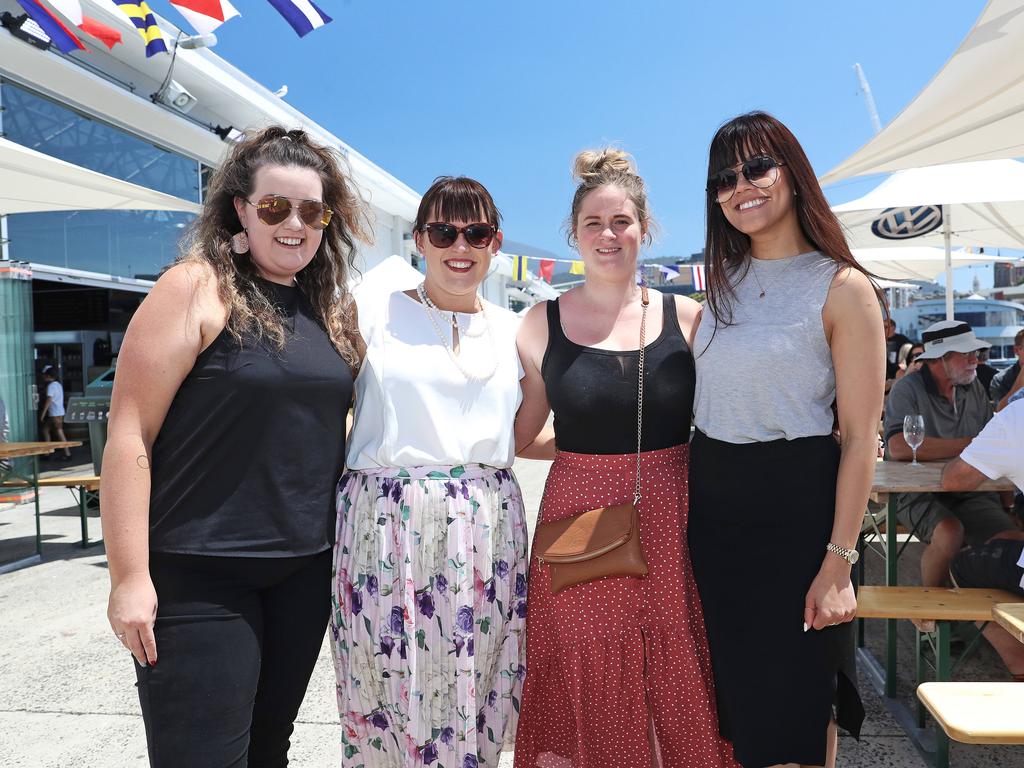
248 457
593 392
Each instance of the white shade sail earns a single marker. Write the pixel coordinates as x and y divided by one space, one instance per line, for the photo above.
916 263
31 182
984 206
973 109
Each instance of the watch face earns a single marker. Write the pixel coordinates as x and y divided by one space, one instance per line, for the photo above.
854 556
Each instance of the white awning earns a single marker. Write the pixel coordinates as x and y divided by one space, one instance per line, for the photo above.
916 263
973 109
89 279
31 182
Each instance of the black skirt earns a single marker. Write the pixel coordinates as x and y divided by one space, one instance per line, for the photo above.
760 517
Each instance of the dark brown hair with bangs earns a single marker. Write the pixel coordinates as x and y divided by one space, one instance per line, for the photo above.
457 198
726 248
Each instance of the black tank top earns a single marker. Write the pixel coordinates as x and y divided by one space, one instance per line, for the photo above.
248 457
593 392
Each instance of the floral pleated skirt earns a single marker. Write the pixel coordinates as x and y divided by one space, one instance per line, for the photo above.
428 615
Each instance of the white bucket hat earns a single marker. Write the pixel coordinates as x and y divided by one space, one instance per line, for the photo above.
949 336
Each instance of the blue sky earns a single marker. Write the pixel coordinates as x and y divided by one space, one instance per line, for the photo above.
509 92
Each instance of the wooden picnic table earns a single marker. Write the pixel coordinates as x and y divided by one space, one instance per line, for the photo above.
32 450
893 478
1010 616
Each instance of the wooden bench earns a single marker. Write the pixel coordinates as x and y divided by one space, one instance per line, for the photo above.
943 606
977 713
85 486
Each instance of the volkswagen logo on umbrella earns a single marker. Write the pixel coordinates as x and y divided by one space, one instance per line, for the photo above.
905 223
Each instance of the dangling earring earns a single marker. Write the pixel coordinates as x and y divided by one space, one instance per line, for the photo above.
240 242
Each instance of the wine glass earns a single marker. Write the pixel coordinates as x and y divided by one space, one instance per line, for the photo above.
913 433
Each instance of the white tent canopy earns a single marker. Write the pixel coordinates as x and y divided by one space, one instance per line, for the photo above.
973 109
31 182
915 262
392 274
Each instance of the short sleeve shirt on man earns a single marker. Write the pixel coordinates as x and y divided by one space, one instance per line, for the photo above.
917 393
998 451
55 390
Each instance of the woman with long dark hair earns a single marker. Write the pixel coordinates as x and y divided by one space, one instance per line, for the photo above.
792 326
227 436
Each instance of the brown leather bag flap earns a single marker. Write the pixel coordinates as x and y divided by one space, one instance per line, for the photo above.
586 535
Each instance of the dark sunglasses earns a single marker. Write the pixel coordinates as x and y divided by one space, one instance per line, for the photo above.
273 209
444 235
761 171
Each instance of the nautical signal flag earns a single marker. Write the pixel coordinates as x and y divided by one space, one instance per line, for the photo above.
59 34
576 268
145 22
303 15
519 268
700 282
547 269
106 35
205 15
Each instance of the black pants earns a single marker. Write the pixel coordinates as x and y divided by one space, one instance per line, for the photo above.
989 565
237 639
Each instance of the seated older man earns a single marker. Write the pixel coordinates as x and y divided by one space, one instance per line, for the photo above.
997 452
955 407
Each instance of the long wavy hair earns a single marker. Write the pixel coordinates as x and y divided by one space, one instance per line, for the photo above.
324 281
726 248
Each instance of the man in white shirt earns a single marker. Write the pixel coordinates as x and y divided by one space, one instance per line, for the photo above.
997 451
52 416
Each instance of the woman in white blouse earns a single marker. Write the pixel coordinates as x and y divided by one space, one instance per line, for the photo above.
430 562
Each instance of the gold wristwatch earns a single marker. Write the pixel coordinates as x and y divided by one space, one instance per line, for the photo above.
849 555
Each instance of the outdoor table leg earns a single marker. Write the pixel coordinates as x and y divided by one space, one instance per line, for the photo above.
891 548
82 511
35 489
943 671
919 673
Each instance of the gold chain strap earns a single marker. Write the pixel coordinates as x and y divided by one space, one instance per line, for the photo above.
644 300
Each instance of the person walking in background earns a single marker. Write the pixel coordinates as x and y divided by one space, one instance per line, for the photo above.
776 505
1009 381
226 440
52 416
429 596
618 669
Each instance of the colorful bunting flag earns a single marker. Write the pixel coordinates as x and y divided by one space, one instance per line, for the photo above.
670 272
205 15
303 15
547 269
519 268
106 35
699 281
55 29
576 268
145 22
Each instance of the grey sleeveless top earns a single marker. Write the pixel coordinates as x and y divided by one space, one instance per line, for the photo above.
769 375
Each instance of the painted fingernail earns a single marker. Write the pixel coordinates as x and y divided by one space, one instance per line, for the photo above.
806 627
153 663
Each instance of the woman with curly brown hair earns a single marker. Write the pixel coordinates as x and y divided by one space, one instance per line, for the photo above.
227 437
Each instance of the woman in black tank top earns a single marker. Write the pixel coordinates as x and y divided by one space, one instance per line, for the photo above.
581 355
226 440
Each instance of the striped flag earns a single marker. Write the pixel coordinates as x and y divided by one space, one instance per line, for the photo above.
303 15
576 268
205 15
699 281
145 22
55 29
519 268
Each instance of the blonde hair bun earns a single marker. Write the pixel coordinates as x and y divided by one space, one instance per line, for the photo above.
592 163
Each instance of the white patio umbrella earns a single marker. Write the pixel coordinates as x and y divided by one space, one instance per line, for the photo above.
915 262
964 204
973 109
31 182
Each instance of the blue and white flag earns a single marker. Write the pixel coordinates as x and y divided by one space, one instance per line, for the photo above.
670 272
303 15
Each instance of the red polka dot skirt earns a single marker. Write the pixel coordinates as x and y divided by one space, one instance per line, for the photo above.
610 659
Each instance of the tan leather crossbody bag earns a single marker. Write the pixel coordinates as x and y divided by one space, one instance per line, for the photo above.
599 542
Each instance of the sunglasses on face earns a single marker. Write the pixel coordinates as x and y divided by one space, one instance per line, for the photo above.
761 171
444 235
273 209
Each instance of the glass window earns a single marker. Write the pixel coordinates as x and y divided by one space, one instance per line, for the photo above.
124 243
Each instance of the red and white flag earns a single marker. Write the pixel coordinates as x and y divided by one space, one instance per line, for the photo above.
205 15
699 281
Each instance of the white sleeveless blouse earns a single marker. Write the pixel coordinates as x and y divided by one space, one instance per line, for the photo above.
414 407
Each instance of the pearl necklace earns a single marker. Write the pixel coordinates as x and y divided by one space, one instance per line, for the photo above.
434 313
